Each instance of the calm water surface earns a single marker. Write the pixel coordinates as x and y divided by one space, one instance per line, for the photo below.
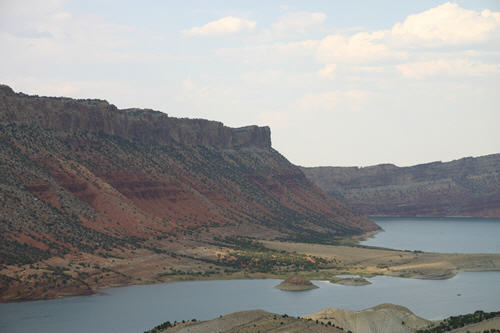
137 308
448 235
134 309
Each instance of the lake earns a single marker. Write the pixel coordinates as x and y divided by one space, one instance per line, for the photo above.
447 235
137 308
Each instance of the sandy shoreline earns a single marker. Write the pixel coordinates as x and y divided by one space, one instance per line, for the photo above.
353 260
373 261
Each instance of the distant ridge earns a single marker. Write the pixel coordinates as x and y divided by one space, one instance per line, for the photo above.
464 187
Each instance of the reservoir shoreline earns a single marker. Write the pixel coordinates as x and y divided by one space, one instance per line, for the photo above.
349 256
365 262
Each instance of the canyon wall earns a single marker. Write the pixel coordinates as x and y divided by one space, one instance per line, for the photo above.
464 187
83 176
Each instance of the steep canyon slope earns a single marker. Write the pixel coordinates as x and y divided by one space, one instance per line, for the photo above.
81 178
464 187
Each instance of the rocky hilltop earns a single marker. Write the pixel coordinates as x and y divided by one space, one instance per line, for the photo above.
464 187
82 181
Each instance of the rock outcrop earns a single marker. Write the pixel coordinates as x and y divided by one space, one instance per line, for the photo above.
464 187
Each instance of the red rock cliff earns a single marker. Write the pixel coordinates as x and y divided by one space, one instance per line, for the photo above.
81 175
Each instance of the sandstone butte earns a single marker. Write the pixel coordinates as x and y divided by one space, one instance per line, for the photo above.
467 187
80 179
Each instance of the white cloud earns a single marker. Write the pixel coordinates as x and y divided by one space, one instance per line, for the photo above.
225 26
327 72
448 24
445 25
360 47
455 67
299 21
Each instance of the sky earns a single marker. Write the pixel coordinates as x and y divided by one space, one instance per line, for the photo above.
342 83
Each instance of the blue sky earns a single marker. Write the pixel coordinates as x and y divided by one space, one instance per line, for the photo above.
338 82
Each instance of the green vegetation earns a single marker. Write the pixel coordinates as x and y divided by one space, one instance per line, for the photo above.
252 256
454 322
165 326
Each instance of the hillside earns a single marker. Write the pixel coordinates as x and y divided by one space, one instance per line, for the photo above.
382 318
378 319
83 181
464 187
251 321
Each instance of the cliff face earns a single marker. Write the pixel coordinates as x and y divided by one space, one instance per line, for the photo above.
464 187
81 176
143 125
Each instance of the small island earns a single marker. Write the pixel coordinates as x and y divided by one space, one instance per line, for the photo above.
296 283
350 281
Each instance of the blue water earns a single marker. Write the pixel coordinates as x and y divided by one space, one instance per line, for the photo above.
447 235
137 308
134 309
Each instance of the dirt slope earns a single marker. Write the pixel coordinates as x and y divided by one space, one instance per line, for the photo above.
254 321
379 319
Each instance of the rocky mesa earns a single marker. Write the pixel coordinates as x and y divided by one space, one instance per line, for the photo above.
465 187
81 178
